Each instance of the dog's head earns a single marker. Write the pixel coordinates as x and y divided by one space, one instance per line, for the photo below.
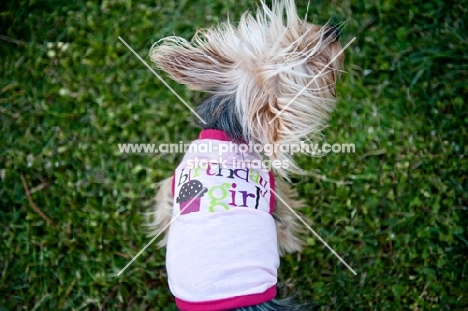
271 79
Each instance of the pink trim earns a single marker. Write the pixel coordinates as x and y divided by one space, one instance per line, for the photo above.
173 184
214 134
228 303
272 195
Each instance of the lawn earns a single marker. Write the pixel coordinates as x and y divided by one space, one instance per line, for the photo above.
72 205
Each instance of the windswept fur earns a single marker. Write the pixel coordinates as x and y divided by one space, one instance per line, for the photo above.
256 69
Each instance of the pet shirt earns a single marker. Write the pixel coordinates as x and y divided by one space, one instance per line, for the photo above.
222 250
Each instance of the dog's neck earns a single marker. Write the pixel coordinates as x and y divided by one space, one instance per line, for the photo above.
220 113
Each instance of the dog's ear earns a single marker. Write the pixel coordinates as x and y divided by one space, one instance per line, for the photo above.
198 66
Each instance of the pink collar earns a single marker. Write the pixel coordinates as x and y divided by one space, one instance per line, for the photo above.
214 134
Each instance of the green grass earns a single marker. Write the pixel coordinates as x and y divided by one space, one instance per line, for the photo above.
400 220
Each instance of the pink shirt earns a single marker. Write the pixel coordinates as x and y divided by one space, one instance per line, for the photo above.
222 250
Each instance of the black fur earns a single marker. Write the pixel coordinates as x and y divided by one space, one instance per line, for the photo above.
287 304
219 112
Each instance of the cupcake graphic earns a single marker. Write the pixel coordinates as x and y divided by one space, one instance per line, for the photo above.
189 191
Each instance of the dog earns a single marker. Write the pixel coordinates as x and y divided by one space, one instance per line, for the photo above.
270 80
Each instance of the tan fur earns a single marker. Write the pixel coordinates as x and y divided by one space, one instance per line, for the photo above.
162 211
288 228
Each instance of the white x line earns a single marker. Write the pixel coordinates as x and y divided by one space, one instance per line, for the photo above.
161 79
160 231
187 105
315 233
312 81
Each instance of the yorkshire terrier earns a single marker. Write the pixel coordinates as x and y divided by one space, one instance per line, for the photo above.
271 80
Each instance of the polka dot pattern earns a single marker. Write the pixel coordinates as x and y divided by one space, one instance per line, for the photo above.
189 190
